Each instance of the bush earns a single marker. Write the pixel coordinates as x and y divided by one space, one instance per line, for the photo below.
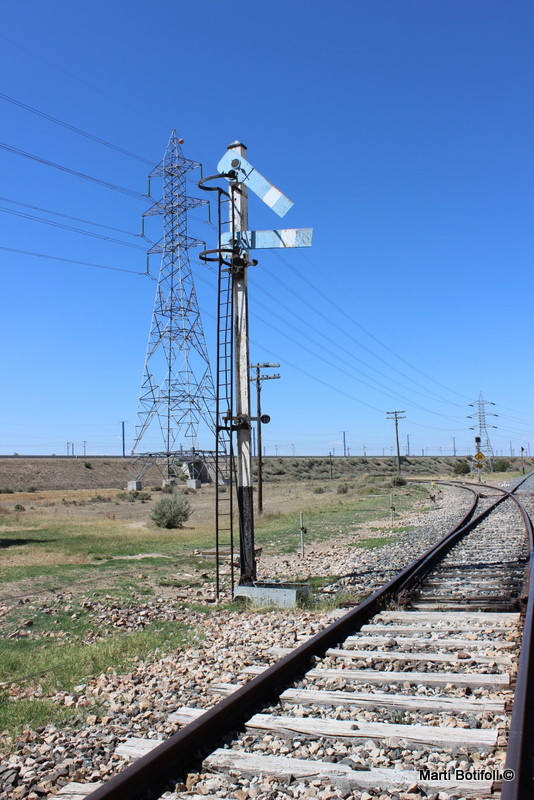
398 481
319 490
342 488
88 465
461 468
171 512
18 507
134 495
501 465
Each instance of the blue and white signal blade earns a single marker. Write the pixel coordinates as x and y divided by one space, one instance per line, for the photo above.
255 181
267 240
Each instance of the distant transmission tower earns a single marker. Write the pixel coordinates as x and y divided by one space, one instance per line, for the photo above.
177 391
484 445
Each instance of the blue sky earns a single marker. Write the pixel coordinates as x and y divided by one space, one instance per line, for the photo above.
401 130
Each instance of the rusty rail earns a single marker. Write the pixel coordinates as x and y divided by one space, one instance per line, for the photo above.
521 737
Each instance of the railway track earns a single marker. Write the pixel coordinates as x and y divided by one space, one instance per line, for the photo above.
410 692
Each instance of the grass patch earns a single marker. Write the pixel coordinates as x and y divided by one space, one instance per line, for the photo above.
280 533
375 541
14 716
51 667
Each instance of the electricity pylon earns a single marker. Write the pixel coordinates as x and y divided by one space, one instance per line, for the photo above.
177 391
484 444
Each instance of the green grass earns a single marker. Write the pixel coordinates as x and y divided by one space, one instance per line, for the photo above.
375 541
14 716
51 666
281 532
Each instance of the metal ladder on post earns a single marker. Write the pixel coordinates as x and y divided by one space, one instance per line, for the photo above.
224 455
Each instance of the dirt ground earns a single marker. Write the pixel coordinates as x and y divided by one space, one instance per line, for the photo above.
19 473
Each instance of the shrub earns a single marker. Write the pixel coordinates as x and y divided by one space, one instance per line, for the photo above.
319 490
501 465
6 490
88 465
398 481
134 495
342 488
99 498
171 512
31 489
461 468
18 507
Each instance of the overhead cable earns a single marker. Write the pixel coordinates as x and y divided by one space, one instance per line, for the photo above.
74 129
73 261
71 228
361 327
67 216
115 187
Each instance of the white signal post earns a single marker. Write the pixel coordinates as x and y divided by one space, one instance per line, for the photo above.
243 175
245 499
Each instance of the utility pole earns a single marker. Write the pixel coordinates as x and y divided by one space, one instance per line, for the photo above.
407 444
396 415
453 446
344 444
258 379
123 440
84 448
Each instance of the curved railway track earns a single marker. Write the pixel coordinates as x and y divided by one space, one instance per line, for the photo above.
411 691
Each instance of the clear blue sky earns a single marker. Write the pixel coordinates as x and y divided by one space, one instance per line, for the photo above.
402 131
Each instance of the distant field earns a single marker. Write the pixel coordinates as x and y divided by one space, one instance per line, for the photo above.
22 473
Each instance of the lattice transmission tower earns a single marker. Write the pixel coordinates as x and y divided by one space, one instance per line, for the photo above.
177 395
484 445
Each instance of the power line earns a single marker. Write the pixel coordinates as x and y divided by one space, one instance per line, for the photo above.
74 129
86 83
361 327
73 261
67 216
338 358
342 330
115 187
350 354
71 228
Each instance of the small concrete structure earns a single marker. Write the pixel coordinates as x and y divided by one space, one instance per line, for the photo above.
272 593
193 483
134 486
169 482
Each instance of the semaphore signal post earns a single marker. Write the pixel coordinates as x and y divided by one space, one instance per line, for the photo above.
233 402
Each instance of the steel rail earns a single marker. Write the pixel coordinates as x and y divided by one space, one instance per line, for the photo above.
521 736
184 749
